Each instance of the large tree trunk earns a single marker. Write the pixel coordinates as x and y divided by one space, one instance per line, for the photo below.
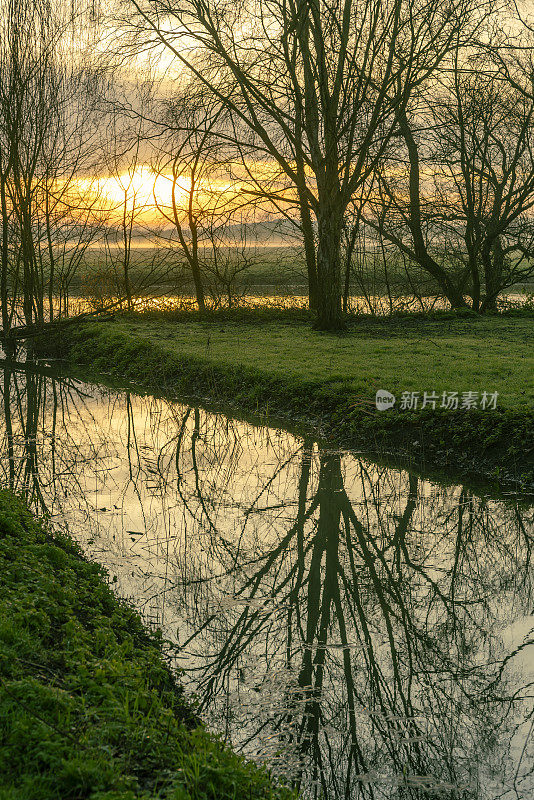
309 250
493 261
329 314
305 215
471 246
348 264
193 253
4 299
197 280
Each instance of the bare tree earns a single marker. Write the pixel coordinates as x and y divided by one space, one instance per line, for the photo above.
207 209
123 164
189 156
47 144
319 87
463 209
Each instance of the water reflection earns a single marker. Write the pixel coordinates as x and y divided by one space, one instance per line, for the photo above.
264 297
362 631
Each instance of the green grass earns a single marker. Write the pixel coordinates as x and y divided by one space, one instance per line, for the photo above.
88 706
407 354
275 363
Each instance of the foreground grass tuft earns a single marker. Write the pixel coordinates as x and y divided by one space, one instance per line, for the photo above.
88 705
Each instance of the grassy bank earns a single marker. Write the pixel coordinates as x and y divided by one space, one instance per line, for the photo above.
88 705
282 366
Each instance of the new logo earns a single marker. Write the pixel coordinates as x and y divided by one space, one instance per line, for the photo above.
384 400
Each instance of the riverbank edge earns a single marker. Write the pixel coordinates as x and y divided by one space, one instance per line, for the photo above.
495 446
89 704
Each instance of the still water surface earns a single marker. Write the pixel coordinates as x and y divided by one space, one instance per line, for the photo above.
364 632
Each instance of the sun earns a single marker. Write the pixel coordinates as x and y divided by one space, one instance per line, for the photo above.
146 196
142 191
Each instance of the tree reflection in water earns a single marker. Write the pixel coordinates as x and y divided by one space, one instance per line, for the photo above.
361 630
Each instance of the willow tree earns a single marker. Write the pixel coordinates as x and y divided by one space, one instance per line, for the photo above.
48 139
318 85
461 207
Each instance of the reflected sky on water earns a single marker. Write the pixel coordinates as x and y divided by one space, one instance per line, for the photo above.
362 631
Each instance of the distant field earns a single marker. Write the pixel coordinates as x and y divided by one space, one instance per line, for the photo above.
280 269
278 266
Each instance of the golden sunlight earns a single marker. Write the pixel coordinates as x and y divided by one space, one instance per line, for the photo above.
140 191
146 195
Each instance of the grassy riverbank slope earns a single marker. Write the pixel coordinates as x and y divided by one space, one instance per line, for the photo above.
277 364
88 706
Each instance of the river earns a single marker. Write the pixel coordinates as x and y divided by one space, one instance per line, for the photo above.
363 631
